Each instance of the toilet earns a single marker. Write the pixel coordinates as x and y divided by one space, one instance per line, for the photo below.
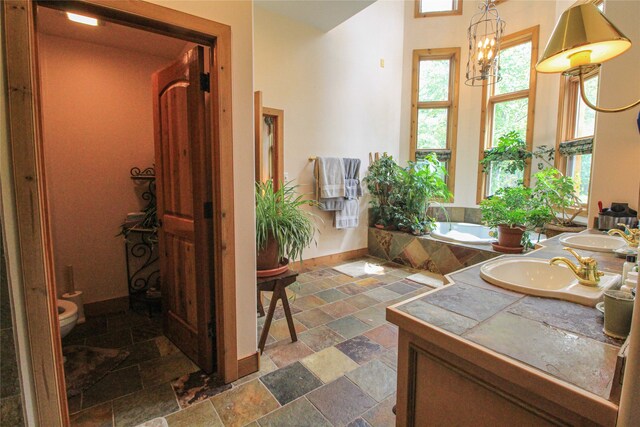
67 315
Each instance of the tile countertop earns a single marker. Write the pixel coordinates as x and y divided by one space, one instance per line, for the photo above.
560 338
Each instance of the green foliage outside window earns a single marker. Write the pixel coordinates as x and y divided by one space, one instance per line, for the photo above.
432 128
515 66
434 80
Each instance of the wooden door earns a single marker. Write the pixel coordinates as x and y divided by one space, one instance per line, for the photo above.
184 196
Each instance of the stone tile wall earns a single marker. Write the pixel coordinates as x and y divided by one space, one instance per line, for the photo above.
456 214
425 252
10 391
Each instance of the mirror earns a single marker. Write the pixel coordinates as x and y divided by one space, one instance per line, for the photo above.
269 128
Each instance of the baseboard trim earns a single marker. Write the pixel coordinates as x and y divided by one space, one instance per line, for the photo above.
248 365
330 259
108 306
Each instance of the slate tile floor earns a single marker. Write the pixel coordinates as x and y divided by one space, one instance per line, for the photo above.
341 371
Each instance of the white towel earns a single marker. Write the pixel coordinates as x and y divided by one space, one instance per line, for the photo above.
348 217
329 173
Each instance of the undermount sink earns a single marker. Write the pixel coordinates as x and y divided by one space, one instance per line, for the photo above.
593 242
535 276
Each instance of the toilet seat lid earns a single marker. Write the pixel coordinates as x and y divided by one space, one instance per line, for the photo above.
70 309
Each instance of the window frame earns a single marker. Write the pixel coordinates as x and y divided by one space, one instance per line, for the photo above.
489 101
453 55
457 10
567 116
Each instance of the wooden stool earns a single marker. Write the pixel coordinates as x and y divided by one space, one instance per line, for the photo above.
278 285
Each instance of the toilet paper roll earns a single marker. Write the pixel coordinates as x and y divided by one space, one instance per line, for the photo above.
76 298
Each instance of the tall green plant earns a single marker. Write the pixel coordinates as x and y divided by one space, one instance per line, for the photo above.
279 214
421 183
510 155
558 193
382 177
401 196
382 181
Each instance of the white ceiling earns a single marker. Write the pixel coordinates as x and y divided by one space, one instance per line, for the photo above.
322 14
55 22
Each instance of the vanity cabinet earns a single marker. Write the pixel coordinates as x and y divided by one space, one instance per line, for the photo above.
437 387
472 354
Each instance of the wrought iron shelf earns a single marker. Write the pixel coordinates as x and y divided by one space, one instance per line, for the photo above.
141 250
142 174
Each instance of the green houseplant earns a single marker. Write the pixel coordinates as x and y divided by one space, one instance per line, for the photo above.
513 211
421 183
510 154
283 228
382 181
558 193
401 196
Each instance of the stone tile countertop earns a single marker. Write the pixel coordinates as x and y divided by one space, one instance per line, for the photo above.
560 338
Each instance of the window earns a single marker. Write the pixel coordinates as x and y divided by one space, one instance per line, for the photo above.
576 127
426 8
508 106
575 132
434 106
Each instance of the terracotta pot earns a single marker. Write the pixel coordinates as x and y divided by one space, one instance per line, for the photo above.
552 230
510 237
284 266
267 258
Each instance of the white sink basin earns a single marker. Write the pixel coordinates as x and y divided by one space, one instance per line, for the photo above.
593 242
535 276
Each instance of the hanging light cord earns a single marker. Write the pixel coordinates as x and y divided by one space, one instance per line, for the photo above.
601 109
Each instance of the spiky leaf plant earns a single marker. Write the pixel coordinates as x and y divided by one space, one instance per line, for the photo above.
279 214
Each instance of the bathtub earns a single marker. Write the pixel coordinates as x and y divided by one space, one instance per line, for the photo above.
462 232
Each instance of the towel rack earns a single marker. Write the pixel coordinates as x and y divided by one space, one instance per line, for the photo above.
372 156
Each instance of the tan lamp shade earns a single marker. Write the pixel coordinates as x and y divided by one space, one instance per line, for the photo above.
582 36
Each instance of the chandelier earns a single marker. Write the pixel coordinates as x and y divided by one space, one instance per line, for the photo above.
484 34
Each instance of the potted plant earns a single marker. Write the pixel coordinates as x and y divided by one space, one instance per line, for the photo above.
419 185
283 228
382 180
557 192
510 154
513 211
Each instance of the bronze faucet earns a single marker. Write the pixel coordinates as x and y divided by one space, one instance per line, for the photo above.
631 235
586 271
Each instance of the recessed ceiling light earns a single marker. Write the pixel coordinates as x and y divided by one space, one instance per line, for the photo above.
82 19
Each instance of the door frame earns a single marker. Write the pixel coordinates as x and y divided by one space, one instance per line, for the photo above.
34 233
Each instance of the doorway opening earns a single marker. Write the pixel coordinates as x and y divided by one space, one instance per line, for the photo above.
104 175
211 219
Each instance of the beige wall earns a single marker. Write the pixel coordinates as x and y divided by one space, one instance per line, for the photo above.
337 99
98 124
616 158
423 33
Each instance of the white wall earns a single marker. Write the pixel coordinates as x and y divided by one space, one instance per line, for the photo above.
451 31
337 99
97 125
616 159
